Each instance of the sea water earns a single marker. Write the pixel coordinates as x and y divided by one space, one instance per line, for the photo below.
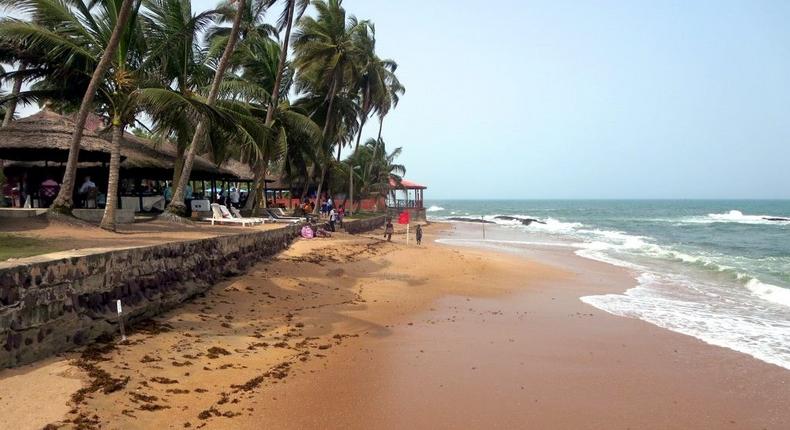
715 270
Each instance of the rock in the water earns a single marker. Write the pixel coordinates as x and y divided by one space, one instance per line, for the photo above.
524 221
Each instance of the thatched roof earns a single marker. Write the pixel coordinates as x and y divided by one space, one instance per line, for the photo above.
47 136
143 154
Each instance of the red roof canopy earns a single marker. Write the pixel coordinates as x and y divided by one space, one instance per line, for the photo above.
406 184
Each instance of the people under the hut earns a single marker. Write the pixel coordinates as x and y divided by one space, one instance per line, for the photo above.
188 192
168 193
12 192
47 192
234 197
88 193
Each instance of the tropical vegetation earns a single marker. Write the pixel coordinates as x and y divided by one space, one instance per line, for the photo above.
284 95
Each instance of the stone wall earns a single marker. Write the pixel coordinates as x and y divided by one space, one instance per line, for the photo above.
53 305
122 216
364 225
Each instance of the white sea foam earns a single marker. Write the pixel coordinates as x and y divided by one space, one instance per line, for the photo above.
736 217
714 315
495 242
769 292
434 208
714 297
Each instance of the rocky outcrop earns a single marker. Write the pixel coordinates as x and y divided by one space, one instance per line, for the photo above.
465 219
523 221
53 305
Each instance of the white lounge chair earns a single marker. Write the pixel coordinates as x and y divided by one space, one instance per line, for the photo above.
224 216
237 214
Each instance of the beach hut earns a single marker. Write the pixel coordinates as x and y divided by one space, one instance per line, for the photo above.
35 149
46 136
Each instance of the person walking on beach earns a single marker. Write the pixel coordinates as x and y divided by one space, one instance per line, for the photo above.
332 219
418 234
388 230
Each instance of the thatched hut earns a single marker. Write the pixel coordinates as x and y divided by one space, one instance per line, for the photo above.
46 136
35 148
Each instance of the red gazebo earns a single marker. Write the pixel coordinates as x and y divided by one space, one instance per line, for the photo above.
406 195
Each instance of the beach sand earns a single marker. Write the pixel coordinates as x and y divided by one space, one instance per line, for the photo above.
354 332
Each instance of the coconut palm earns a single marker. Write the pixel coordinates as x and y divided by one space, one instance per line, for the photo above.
56 28
173 34
177 206
377 166
10 109
376 79
132 87
294 9
325 49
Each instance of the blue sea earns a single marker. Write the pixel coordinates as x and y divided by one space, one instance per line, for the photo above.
713 269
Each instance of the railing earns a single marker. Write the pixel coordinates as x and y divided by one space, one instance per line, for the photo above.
405 204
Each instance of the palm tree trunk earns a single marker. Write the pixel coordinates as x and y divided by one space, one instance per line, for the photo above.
351 166
327 121
260 187
307 175
177 206
249 205
108 221
9 113
281 64
178 165
290 194
64 202
318 191
381 125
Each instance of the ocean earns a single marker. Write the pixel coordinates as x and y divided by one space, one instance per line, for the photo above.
713 269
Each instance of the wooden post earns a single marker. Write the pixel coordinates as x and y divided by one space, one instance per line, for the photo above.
120 321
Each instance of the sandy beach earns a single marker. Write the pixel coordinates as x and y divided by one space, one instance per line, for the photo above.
355 332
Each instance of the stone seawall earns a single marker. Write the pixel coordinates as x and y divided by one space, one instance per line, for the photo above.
53 305
364 225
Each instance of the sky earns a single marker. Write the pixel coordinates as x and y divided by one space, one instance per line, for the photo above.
588 99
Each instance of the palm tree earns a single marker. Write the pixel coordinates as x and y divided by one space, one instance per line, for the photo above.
378 167
57 31
173 34
325 49
376 79
10 110
177 206
63 202
293 10
132 89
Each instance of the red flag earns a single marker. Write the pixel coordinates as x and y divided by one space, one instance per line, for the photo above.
403 218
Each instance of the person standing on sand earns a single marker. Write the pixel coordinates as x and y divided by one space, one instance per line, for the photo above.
418 234
332 219
388 230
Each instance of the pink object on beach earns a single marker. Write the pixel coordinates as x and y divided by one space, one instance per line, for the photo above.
307 232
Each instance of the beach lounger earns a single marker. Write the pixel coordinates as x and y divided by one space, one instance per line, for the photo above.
237 214
279 218
224 216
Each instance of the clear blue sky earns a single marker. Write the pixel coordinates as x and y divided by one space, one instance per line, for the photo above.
583 99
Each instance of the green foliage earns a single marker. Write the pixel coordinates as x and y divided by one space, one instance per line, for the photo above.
159 79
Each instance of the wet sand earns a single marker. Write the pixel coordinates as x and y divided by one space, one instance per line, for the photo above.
353 332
